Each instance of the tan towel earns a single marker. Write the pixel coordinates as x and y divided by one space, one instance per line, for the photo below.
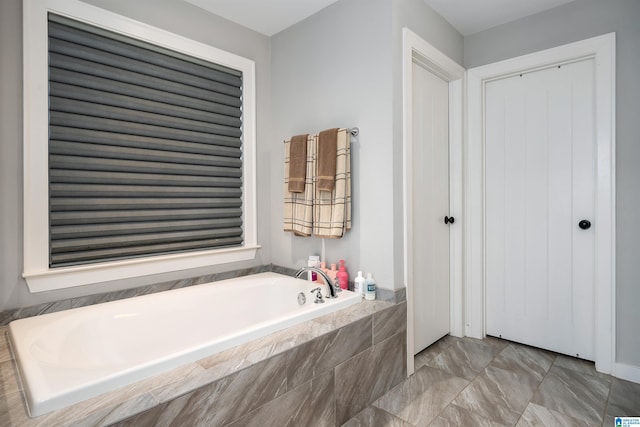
327 152
298 207
332 211
298 163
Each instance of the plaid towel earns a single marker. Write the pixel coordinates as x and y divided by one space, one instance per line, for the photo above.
332 210
298 207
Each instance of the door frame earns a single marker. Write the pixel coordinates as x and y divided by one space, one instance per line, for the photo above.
602 50
415 49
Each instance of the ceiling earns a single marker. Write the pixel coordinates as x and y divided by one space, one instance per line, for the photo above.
264 16
467 16
472 16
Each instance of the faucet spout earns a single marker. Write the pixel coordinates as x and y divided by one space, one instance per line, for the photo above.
332 289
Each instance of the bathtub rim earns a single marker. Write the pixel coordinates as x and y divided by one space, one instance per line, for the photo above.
165 365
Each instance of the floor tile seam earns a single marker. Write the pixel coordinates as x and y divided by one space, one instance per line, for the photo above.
606 405
433 356
482 416
397 386
536 390
449 376
452 375
395 416
436 354
509 371
572 392
559 409
522 371
595 374
455 397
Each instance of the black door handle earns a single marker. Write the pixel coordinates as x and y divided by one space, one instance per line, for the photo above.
449 220
585 224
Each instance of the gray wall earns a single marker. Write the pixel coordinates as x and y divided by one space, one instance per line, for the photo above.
434 29
334 70
342 67
172 15
576 21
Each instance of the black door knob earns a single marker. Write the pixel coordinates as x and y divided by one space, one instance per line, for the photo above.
449 220
585 224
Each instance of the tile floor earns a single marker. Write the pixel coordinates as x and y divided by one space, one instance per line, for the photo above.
492 382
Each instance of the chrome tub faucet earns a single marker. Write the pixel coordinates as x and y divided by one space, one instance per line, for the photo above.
330 285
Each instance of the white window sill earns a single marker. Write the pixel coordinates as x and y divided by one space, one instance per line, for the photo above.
67 277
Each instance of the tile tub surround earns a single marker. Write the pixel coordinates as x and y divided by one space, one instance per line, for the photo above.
7 316
320 372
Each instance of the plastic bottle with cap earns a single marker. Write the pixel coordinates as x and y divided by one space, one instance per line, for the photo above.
343 276
323 267
333 273
370 288
359 283
314 261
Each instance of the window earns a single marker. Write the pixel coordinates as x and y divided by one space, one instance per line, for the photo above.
138 155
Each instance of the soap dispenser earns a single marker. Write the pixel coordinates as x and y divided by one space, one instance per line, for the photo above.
343 276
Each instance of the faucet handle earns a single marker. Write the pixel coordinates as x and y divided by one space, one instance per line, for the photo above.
319 298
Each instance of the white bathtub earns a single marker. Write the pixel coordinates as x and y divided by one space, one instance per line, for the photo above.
70 356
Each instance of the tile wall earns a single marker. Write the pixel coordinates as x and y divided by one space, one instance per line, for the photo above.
322 382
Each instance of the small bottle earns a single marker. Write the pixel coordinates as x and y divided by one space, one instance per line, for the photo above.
359 283
343 276
314 261
333 273
370 288
323 267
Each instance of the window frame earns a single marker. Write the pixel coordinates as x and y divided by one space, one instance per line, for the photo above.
36 271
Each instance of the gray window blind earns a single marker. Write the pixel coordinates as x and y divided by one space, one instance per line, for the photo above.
145 148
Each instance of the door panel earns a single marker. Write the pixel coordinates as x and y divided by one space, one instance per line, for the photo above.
430 165
539 183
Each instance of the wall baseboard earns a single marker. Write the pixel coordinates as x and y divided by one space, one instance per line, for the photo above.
627 372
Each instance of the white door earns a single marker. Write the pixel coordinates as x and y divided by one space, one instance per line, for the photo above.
539 190
430 165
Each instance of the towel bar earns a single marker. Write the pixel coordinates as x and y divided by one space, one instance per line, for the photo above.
353 131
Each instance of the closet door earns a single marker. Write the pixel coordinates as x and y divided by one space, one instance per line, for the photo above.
430 167
539 208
